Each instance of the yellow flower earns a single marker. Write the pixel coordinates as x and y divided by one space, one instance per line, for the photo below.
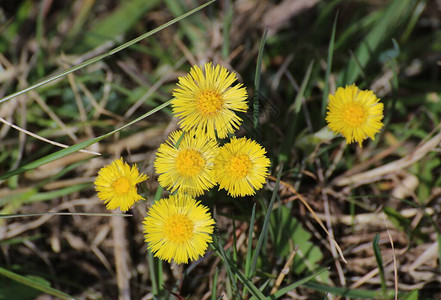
207 102
178 228
116 185
241 167
187 166
354 113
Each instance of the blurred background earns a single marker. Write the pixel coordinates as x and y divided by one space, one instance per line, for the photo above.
391 47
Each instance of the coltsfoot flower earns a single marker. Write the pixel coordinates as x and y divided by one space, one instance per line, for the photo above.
241 167
187 167
206 101
178 228
354 113
116 185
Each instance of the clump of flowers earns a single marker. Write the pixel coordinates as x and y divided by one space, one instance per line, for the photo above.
205 103
354 113
178 228
190 162
116 185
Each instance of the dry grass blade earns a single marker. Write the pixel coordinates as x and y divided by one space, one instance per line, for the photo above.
42 138
284 271
390 168
278 15
393 256
122 258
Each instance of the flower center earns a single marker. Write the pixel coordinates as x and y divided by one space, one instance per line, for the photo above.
209 102
189 162
239 166
121 186
354 115
178 229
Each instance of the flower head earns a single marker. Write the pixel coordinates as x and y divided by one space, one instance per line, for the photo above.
187 166
241 167
116 185
354 113
178 228
207 102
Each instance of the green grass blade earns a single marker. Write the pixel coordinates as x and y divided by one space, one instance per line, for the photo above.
51 157
233 272
218 247
191 29
296 284
35 196
359 65
392 17
20 240
153 275
413 295
250 241
301 93
295 107
214 289
154 264
416 13
265 284
265 226
257 81
46 196
328 69
116 23
363 24
250 286
249 246
158 193
234 239
392 105
61 153
379 260
78 23
102 56
34 284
